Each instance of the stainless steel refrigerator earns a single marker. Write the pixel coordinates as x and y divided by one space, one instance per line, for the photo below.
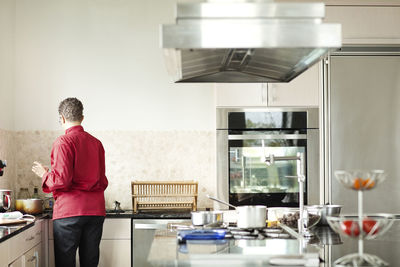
362 124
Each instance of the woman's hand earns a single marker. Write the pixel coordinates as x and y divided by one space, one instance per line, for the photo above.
39 169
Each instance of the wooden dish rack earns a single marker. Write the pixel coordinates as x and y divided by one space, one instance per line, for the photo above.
151 195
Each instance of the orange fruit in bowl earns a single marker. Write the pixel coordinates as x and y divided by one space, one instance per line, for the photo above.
368 183
357 183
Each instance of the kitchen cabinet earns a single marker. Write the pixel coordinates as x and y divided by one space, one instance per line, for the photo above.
241 94
33 258
115 245
301 91
4 254
25 247
366 24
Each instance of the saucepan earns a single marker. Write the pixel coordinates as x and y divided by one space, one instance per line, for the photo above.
248 216
205 218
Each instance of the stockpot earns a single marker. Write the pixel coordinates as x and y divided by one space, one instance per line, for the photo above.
248 216
30 205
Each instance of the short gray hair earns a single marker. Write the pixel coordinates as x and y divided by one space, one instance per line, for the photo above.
71 108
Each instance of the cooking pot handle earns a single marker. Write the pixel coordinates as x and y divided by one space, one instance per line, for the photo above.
220 201
8 201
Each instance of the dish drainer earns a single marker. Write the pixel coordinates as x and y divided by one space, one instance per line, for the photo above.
155 195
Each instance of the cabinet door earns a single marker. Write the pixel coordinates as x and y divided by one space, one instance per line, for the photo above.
115 245
366 24
4 254
32 258
17 262
115 253
240 94
301 91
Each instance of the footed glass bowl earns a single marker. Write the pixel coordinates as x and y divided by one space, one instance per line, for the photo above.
369 227
290 216
360 179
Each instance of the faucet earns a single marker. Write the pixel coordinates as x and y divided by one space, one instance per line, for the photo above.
303 218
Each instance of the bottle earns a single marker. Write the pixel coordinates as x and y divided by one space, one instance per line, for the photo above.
35 193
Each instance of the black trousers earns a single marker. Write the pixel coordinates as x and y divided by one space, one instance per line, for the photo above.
81 231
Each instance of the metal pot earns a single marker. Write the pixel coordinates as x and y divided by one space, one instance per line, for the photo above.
5 200
202 218
248 216
30 205
328 210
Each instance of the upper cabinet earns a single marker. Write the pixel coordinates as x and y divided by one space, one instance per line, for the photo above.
301 91
366 24
241 94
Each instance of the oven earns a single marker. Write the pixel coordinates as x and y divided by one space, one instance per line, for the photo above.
245 137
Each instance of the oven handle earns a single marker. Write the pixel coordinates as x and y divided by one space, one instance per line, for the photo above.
267 136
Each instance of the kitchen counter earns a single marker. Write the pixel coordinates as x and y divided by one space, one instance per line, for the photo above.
150 214
129 214
9 231
165 251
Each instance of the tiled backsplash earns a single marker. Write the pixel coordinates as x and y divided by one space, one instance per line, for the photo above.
130 155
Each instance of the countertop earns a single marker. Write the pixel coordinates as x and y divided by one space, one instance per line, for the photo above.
7 232
165 251
162 214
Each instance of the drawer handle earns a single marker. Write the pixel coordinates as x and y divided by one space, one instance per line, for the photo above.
30 238
32 259
38 233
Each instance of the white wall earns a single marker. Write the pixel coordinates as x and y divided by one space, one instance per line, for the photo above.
7 27
105 52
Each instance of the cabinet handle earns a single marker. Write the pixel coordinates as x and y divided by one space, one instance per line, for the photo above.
30 238
38 233
32 258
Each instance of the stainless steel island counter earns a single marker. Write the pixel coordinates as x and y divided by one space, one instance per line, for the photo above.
326 245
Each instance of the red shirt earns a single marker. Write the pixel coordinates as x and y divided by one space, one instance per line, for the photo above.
77 177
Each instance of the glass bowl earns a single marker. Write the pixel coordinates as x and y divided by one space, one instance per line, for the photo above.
290 216
373 225
360 179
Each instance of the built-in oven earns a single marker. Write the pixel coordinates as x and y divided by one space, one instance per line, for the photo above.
245 137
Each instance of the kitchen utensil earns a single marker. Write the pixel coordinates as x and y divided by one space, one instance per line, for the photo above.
197 234
327 210
15 217
30 205
5 200
150 195
360 179
290 216
202 218
248 216
3 163
372 225
366 227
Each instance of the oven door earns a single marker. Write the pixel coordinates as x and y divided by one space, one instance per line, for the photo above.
245 179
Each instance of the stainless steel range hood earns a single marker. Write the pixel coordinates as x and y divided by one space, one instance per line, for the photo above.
241 41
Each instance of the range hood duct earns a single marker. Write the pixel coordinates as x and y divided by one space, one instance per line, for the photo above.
242 41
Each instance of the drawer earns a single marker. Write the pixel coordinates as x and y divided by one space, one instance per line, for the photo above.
117 229
24 241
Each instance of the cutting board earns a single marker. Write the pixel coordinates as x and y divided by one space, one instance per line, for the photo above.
11 221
